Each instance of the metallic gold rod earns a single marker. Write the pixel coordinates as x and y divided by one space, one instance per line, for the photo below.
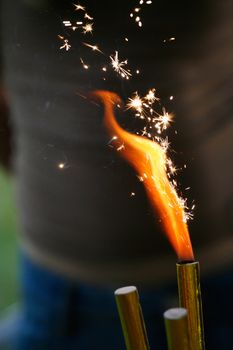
176 324
188 276
131 317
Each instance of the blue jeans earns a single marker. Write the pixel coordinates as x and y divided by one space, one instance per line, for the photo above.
58 313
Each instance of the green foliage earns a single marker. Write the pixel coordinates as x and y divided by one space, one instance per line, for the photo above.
8 243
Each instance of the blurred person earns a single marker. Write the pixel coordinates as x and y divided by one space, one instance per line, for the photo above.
82 234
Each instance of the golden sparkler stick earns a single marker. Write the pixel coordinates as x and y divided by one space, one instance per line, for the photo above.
176 324
188 276
131 317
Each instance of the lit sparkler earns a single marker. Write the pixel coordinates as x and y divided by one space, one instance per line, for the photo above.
118 66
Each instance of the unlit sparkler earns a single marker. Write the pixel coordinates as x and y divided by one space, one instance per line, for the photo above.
131 317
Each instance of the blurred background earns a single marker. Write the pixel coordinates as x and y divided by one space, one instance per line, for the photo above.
8 286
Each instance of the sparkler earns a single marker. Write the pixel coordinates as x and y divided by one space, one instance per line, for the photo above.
131 317
176 324
188 276
156 178
149 160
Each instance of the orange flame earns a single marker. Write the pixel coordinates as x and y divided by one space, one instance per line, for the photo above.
149 160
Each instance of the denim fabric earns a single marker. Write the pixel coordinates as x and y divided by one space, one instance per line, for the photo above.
58 313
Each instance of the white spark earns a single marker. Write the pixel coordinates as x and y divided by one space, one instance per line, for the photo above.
85 66
121 147
66 45
136 103
93 47
163 121
67 23
88 17
88 28
118 66
79 7
150 96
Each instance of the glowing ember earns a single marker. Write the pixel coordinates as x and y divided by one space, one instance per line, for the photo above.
88 17
85 66
136 11
118 66
150 162
93 47
135 103
163 121
65 45
88 28
79 7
